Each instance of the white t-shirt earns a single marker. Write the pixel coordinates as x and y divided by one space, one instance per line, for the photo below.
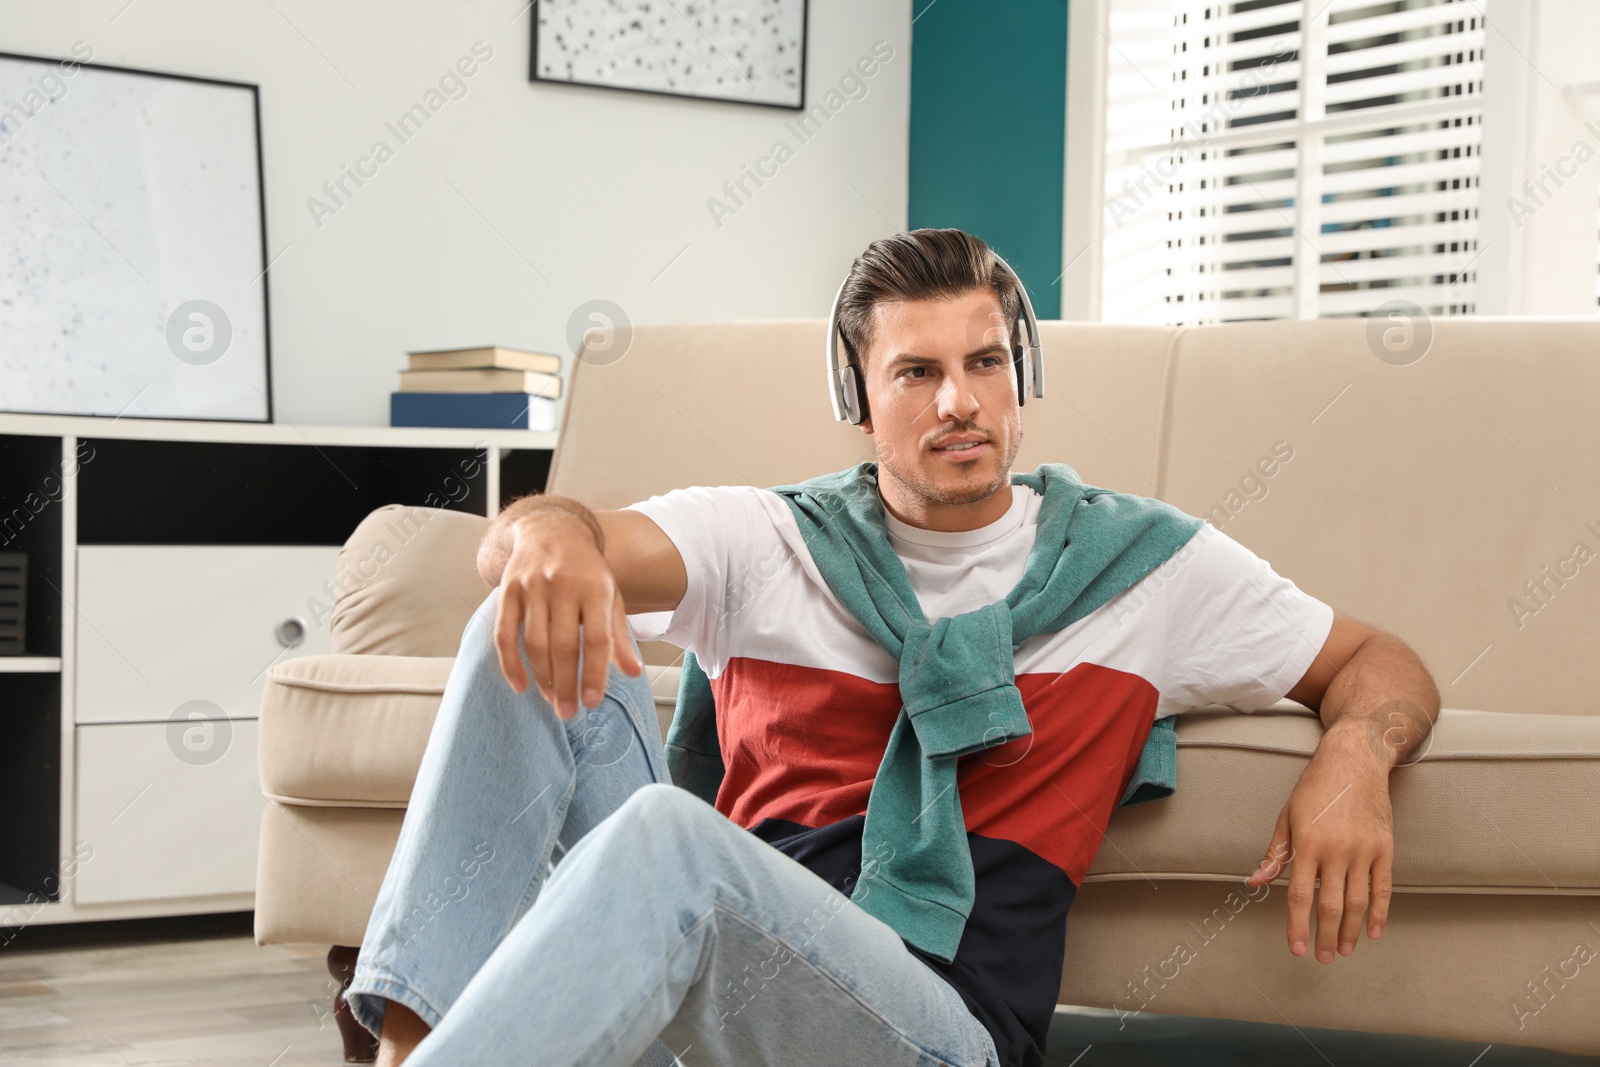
1215 624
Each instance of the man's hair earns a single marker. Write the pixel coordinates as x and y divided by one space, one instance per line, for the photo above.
920 265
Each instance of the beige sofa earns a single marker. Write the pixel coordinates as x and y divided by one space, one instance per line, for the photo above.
1427 499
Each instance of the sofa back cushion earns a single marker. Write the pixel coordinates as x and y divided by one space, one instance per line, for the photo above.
1102 406
1431 499
408 582
725 403
745 403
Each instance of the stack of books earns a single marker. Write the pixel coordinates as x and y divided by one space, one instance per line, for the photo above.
483 388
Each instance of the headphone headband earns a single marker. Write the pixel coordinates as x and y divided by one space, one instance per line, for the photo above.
847 392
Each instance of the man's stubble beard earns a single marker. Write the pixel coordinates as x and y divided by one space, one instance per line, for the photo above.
934 494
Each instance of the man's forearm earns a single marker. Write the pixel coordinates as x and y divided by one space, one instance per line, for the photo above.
1383 701
495 548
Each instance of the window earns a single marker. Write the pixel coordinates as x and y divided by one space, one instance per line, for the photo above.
1287 158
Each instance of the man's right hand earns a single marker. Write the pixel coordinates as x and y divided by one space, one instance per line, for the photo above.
556 581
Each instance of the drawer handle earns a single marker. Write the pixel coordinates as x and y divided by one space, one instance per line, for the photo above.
291 631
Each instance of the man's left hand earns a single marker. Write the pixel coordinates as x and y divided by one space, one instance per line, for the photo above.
1337 828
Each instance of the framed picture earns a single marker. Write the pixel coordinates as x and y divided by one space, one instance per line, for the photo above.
132 243
742 51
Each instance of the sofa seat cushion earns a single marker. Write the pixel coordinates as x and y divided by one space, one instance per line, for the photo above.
1491 803
1485 806
348 730
1482 808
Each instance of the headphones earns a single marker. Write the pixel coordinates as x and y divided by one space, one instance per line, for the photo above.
848 393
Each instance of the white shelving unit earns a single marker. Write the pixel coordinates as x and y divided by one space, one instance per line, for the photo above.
170 563
29 664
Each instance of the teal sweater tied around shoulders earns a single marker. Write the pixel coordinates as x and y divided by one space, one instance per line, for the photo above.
957 680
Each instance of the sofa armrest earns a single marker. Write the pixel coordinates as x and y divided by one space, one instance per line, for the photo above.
348 730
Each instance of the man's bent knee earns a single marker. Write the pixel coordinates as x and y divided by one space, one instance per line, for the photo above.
663 805
665 817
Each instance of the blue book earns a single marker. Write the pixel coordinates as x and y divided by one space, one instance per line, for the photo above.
487 411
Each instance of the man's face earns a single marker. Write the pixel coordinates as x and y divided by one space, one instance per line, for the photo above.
939 373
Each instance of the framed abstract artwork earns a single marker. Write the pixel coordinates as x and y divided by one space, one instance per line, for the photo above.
741 51
132 243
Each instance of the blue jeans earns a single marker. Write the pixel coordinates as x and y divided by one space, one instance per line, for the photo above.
554 900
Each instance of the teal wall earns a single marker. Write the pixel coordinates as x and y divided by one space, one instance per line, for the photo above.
988 126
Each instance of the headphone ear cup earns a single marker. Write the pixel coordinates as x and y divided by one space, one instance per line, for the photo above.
855 401
1024 373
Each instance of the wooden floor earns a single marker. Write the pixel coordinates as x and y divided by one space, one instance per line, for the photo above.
185 992
164 995
1090 1037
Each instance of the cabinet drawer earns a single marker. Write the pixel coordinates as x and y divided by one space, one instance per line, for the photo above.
169 809
159 626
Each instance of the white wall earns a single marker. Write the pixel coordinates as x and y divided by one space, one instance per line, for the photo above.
1540 179
596 190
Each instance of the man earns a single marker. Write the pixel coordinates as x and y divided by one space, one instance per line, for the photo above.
754 931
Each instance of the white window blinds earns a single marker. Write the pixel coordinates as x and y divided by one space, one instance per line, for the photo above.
1290 158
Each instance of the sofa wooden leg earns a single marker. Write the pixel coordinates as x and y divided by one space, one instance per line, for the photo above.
359 1045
